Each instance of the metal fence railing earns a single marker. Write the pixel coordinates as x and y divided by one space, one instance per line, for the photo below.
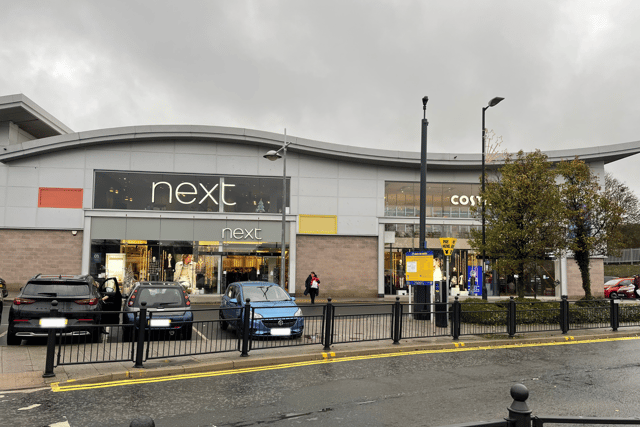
212 331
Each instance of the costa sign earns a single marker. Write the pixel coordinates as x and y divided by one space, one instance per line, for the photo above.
465 200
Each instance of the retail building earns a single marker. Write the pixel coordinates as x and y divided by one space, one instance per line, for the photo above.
201 204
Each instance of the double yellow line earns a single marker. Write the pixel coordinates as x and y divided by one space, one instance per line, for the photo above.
327 358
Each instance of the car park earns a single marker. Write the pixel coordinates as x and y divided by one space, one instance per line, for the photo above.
3 287
274 312
621 287
80 304
168 310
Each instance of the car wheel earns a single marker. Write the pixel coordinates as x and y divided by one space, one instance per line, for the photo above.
223 323
12 339
613 295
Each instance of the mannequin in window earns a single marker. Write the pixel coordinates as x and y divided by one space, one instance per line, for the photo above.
186 272
169 266
154 269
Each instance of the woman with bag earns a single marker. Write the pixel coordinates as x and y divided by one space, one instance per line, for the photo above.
312 286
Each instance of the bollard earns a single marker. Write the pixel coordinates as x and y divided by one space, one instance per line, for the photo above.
511 317
397 321
455 322
51 344
142 326
246 329
615 314
142 422
519 412
564 314
328 325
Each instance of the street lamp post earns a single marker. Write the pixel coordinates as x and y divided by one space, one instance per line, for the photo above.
495 101
423 175
275 155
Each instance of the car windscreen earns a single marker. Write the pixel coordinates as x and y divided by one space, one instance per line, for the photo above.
265 293
56 289
160 297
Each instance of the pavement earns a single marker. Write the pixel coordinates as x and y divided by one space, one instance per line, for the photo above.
21 367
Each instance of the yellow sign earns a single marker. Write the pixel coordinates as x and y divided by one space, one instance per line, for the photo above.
447 243
318 224
419 268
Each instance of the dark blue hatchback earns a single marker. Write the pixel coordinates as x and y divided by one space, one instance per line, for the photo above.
274 311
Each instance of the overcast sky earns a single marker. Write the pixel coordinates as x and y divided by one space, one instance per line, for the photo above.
345 72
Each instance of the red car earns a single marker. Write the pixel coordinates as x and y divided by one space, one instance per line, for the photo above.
621 287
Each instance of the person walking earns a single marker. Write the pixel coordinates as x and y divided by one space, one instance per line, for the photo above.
312 286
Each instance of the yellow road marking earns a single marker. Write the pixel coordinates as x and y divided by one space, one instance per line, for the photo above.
56 387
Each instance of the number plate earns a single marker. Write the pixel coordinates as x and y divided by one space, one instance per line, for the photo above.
281 332
53 322
160 323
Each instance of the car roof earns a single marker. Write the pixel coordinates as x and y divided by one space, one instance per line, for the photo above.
255 284
158 283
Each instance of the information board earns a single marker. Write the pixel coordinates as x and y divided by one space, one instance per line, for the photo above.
419 269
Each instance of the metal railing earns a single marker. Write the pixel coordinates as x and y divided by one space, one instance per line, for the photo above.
211 333
519 415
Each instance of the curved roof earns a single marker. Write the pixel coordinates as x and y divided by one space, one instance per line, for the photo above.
68 141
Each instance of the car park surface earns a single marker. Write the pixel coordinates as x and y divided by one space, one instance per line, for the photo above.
274 311
168 310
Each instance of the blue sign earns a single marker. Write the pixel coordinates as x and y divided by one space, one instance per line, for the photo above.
474 280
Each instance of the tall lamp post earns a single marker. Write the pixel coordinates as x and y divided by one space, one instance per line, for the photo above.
423 175
274 155
495 101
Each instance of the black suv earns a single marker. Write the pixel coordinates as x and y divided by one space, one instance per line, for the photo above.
80 301
3 286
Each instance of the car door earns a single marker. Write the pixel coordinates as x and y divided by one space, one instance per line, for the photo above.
232 303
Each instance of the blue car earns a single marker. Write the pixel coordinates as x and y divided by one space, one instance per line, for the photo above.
168 307
274 311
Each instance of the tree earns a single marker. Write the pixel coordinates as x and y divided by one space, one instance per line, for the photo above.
619 193
522 215
592 219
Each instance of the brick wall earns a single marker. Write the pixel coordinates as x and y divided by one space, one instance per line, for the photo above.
25 253
347 266
574 280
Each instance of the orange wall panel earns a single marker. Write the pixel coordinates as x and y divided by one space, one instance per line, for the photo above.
68 198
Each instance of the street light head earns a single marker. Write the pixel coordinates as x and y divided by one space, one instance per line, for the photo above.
272 155
425 99
495 101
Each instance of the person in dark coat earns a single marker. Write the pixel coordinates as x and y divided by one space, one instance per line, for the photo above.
312 287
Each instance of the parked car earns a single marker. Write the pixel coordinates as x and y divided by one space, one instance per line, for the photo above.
621 287
167 303
3 286
275 312
79 302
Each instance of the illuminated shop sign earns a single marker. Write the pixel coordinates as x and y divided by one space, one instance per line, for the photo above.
465 200
187 192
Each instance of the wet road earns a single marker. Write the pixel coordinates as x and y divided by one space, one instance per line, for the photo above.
595 379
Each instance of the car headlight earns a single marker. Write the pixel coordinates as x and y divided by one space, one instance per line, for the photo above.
257 315
298 313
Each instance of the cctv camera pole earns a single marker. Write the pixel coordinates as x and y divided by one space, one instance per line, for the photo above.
423 175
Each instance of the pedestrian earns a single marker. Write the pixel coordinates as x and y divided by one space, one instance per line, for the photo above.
312 286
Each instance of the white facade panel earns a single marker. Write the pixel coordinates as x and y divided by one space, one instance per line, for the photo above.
237 165
103 158
202 163
240 150
357 171
358 188
60 218
151 161
4 172
154 147
319 187
317 205
62 178
21 176
357 226
20 217
22 197
365 207
195 147
3 197
321 168
65 159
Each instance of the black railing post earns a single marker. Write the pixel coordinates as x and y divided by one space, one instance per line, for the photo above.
51 344
455 322
142 326
615 314
519 412
564 314
246 332
511 317
397 320
328 325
